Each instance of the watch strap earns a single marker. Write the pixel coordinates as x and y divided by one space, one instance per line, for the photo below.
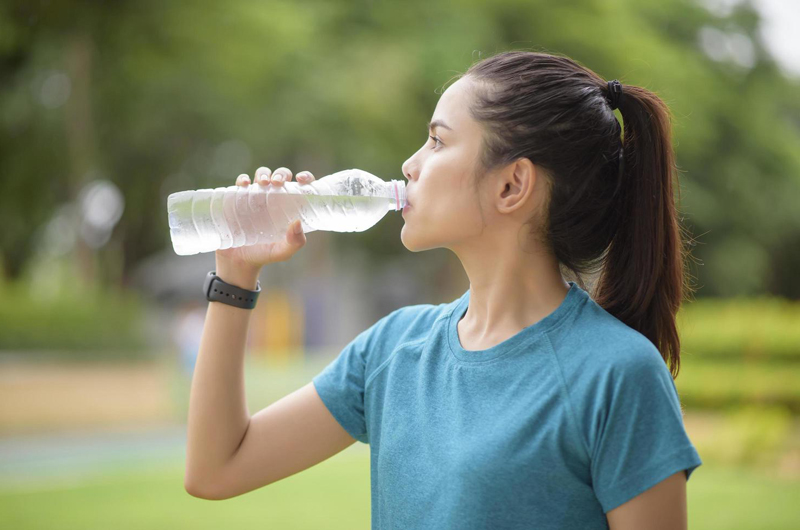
217 290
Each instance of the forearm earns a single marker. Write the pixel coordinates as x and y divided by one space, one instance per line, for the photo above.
218 413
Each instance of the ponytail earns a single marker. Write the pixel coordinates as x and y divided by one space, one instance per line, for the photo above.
642 282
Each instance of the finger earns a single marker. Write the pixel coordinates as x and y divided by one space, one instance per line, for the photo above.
281 175
243 180
304 177
262 175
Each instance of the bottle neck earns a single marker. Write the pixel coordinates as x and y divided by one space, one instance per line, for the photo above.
396 192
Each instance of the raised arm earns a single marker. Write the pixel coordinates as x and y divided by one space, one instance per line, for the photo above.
229 452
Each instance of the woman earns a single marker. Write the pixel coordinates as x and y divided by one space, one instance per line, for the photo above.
525 403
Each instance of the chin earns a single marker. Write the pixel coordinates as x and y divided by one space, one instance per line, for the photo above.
413 242
406 239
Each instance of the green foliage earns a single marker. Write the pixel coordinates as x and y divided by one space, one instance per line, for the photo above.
713 384
738 352
173 96
96 324
747 329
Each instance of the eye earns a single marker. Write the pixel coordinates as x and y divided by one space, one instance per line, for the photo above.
436 140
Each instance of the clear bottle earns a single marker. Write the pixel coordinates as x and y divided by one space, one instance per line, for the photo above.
351 200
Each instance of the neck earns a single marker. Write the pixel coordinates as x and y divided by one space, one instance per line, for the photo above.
508 294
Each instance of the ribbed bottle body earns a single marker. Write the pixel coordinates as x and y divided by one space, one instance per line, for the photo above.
209 219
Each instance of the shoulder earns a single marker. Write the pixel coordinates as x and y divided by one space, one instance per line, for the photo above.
602 358
403 325
597 342
419 315
409 322
611 371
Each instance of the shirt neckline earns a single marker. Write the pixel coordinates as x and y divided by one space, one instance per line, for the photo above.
574 295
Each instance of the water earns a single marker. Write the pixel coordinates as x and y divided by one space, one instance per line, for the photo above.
209 219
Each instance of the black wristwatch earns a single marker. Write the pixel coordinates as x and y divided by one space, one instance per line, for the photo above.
218 291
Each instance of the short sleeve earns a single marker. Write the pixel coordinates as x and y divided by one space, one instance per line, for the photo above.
340 385
638 438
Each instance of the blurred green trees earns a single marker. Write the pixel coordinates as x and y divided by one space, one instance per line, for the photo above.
159 97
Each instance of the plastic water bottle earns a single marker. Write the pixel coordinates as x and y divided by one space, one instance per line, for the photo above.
347 201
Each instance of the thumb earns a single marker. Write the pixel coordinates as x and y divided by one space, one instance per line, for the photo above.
285 249
296 234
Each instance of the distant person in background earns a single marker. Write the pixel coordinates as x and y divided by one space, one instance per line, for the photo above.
528 402
187 332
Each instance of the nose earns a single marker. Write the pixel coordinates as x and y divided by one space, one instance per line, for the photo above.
407 165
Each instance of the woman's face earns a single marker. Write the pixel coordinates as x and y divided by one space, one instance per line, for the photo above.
443 206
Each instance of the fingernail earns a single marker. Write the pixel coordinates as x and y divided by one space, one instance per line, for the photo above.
298 228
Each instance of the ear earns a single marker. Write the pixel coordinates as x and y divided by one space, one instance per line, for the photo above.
516 184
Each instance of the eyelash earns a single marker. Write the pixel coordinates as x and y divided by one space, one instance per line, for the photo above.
435 139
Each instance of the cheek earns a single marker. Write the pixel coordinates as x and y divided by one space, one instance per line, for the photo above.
445 215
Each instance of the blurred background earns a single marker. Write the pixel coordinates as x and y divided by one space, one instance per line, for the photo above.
108 107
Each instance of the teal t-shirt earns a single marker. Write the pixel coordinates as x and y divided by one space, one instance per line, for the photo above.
552 428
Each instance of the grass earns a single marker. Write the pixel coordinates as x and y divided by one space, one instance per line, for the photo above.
741 499
335 495
155 498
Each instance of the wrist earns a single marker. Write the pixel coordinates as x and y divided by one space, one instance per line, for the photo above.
243 276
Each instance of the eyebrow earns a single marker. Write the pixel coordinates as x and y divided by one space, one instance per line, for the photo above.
438 123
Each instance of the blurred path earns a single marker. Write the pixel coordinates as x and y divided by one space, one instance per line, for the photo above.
58 460
47 397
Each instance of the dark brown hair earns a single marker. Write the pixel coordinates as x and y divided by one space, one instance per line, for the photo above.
555 112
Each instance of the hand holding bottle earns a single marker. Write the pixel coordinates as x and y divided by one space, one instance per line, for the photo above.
253 257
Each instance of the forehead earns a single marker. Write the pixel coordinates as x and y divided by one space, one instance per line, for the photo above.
457 91
452 106
453 109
